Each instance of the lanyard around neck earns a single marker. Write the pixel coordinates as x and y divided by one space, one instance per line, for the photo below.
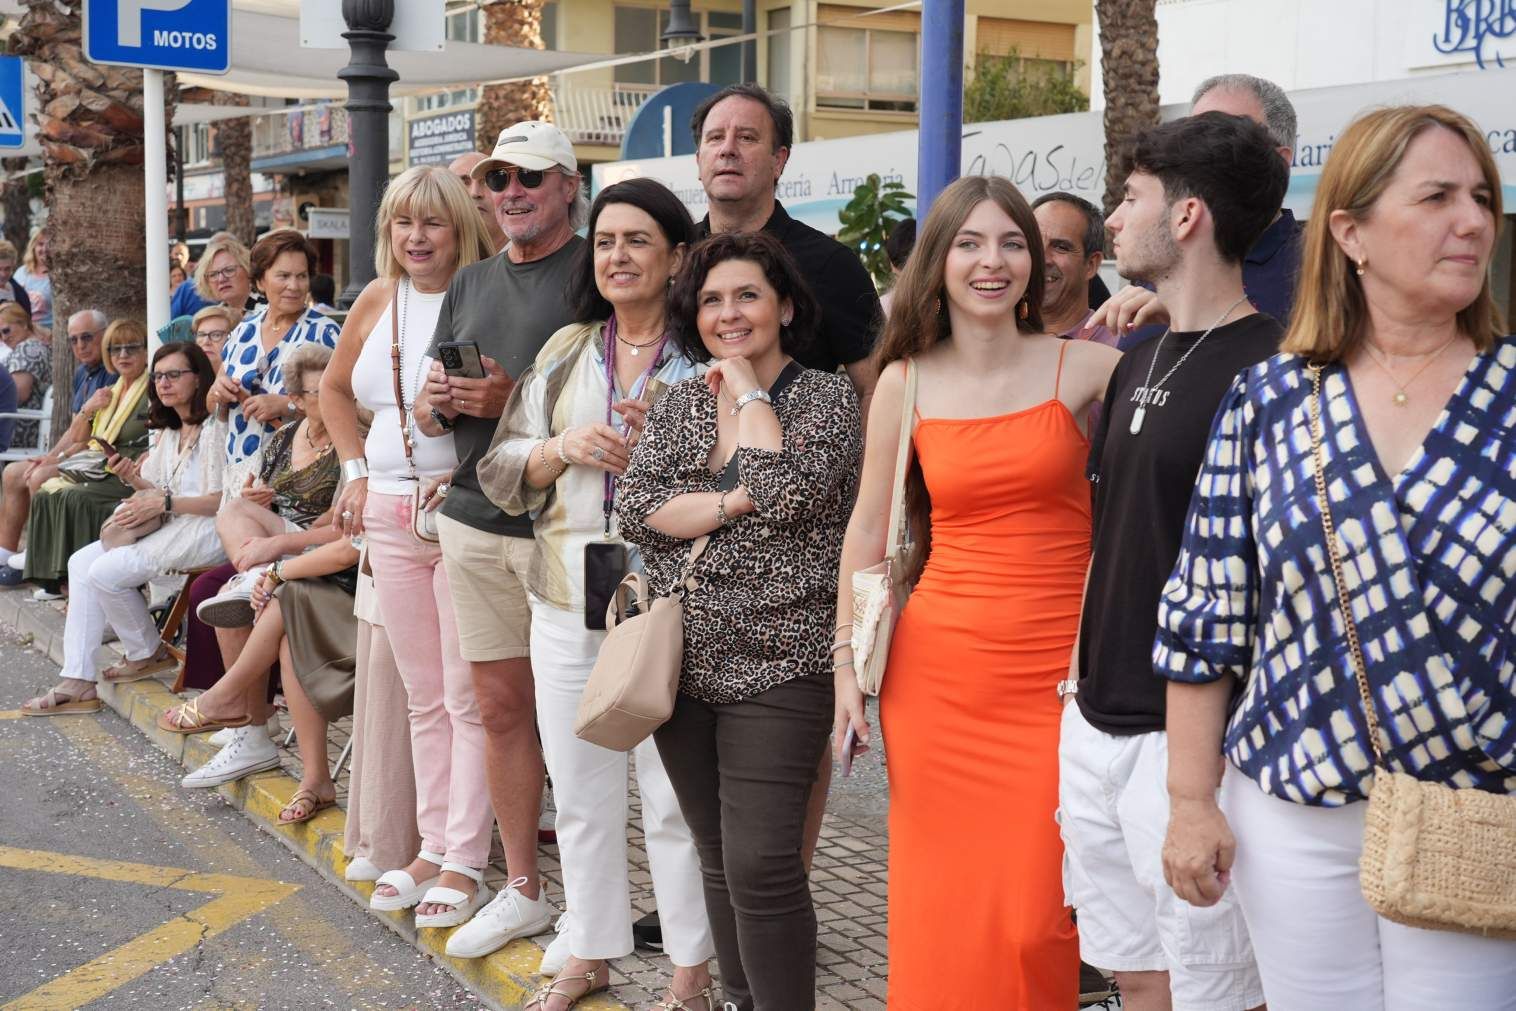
639 386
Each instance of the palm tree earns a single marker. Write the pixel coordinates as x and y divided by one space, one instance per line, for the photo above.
89 122
234 138
512 23
16 201
1129 68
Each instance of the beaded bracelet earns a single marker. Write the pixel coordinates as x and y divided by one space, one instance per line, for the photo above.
542 455
562 454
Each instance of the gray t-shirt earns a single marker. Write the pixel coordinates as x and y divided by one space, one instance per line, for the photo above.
510 310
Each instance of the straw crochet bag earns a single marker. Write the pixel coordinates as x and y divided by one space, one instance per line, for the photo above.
1433 856
879 591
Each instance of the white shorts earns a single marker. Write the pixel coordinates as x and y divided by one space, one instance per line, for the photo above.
1113 809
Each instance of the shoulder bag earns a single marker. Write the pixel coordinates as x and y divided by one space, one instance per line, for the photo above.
423 520
631 689
879 591
1434 856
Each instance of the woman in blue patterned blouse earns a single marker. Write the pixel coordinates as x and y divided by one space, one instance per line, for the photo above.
251 387
1418 407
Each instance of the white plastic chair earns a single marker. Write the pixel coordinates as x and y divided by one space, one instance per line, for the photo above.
44 417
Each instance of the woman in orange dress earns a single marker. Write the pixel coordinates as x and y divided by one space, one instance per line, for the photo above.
999 509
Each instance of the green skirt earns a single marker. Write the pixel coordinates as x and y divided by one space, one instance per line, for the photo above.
63 521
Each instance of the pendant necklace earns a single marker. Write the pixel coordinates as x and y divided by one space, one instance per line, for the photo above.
1401 398
1149 387
637 348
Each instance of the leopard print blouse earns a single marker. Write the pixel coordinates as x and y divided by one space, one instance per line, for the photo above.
763 613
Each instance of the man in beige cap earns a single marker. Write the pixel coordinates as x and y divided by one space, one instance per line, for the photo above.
509 305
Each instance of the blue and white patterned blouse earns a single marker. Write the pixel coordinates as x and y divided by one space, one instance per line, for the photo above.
1430 564
262 372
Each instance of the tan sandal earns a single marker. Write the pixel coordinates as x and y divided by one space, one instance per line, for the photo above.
139 670
542 996
186 719
308 804
673 1003
57 702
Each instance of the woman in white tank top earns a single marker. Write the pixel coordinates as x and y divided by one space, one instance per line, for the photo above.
427 229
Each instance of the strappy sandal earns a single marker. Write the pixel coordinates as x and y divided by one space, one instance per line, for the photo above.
308 804
57 702
542 996
186 719
462 905
706 993
139 670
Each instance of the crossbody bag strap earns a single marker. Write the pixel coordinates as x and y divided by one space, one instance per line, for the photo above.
1328 528
687 572
400 408
902 458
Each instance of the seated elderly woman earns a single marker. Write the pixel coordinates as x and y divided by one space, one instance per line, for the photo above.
303 610
166 525
282 511
30 361
63 497
210 328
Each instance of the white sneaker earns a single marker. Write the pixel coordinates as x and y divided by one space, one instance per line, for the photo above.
223 737
17 561
233 606
557 954
508 916
248 751
40 594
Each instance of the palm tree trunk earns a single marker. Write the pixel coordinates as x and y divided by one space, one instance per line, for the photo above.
89 122
16 201
512 23
1129 68
235 139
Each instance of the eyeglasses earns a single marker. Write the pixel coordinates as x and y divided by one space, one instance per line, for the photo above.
171 375
216 336
83 338
499 179
224 274
126 350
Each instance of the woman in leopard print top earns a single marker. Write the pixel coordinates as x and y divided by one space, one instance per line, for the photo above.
757 675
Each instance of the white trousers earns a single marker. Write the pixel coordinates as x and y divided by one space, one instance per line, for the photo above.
1318 943
104 587
590 793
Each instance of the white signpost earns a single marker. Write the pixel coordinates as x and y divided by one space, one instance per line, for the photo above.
158 35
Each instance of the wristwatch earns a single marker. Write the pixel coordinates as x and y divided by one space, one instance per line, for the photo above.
749 397
443 420
1066 688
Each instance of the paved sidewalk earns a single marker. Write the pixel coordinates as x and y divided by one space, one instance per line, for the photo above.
848 880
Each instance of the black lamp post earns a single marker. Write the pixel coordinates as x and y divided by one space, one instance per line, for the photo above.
368 80
683 29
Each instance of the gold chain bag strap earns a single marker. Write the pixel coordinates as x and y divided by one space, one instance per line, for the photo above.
1433 856
423 521
879 591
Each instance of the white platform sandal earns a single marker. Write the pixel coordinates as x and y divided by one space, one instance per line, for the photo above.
464 905
409 890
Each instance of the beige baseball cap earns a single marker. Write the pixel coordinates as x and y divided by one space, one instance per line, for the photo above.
530 145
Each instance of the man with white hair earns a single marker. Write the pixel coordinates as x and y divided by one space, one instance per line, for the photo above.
85 329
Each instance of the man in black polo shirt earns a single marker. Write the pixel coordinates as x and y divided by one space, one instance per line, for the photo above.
743 136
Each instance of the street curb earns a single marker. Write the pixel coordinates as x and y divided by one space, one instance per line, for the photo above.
503 980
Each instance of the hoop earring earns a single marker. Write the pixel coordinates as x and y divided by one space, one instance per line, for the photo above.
1361 265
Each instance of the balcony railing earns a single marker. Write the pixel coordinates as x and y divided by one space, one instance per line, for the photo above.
299 130
598 115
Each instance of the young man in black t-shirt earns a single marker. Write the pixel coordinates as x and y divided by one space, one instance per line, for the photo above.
1200 191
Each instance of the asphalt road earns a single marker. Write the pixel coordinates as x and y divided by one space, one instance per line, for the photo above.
125 891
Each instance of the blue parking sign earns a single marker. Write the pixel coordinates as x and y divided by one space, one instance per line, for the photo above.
193 35
12 102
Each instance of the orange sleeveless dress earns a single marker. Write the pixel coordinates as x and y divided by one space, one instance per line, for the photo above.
970 718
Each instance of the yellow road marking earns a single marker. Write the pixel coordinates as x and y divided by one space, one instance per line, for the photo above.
11 714
238 899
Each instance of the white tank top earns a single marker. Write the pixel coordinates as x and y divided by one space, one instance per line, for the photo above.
374 387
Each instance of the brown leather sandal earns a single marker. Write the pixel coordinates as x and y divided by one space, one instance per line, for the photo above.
542 996
306 806
186 719
128 671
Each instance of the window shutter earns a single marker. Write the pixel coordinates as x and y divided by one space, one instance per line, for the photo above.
858 17
1039 40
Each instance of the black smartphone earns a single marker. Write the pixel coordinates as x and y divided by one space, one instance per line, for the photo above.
108 446
460 359
604 568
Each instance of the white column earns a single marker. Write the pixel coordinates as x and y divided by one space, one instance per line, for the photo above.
155 179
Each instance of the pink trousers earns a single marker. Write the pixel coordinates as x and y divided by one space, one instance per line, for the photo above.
447 738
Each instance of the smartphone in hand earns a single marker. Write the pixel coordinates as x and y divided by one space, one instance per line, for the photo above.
108 446
850 748
460 359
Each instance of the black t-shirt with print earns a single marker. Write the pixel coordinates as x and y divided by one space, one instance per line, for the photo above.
1143 484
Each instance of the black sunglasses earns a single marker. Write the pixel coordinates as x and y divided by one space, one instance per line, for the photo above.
499 179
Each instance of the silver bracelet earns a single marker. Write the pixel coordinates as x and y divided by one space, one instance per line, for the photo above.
721 517
355 469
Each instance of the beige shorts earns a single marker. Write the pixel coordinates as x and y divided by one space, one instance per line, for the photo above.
487 575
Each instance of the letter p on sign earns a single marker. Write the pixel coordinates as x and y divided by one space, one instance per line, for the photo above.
129 18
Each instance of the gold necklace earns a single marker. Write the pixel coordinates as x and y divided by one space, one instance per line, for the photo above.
1401 398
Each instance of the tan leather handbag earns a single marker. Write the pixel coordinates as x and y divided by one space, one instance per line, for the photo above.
632 687
1434 856
879 591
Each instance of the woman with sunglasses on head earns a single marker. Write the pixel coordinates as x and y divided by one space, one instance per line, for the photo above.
67 508
562 444
167 525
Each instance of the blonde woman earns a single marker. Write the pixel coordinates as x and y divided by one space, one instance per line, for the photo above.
38 282
210 329
427 229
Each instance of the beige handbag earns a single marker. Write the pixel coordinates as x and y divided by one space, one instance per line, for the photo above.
631 689
879 591
1434 856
